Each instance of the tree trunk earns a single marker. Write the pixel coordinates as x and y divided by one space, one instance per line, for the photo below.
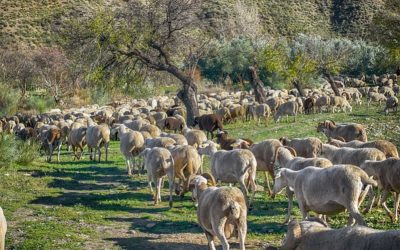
188 95
297 84
258 86
333 85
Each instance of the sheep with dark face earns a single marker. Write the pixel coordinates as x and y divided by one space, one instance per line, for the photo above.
209 123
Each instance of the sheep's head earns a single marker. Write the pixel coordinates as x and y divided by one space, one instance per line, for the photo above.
280 182
199 182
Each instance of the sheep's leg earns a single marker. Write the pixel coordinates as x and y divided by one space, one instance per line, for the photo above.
242 231
171 189
158 190
151 188
353 210
371 199
74 152
128 166
220 232
384 205
50 152
81 153
267 182
303 210
290 204
287 118
99 150
210 239
106 148
396 206
58 151
363 195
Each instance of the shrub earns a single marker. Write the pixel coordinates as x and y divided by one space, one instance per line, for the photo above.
40 103
8 100
28 151
17 151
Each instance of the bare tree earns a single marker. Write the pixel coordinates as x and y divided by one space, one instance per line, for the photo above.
52 66
17 69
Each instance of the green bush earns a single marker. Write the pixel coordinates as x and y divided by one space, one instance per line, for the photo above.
17 151
40 103
8 100
28 151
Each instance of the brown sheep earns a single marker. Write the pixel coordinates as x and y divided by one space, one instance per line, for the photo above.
209 123
348 132
307 147
309 104
388 148
172 123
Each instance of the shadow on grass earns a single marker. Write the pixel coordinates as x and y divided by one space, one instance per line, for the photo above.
160 226
105 202
151 243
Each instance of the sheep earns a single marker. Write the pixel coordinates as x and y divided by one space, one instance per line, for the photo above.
227 143
159 163
341 103
161 142
96 137
328 190
76 138
265 154
285 159
187 162
323 101
173 123
25 133
194 137
315 234
375 97
348 132
388 148
232 166
309 104
353 156
387 173
288 108
307 147
179 139
224 114
3 230
262 111
51 139
152 129
237 111
209 123
391 103
131 144
274 103
357 97
221 212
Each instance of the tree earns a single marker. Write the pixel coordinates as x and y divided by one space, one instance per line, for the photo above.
52 67
258 85
161 35
17 69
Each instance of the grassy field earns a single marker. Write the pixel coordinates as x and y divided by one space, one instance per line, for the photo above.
86 205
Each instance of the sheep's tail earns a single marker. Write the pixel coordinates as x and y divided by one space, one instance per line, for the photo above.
367 181
234 209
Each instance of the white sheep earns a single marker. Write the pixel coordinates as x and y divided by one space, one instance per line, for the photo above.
328 190
3 230
288 108
221 212
159 163
131 144
234 166
353 156
96 137
315 234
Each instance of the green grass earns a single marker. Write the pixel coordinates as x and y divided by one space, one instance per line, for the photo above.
85 205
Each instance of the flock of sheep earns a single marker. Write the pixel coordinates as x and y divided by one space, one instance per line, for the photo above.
326 178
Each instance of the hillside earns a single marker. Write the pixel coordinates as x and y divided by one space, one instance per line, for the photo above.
29 23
